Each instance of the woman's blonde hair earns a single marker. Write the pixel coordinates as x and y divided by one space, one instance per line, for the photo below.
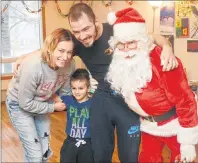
51 43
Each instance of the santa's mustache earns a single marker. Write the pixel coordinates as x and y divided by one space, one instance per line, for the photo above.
122 53
118 54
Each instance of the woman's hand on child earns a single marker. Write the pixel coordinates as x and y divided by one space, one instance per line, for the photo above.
59 106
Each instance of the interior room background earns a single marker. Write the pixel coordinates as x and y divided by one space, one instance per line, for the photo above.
52 14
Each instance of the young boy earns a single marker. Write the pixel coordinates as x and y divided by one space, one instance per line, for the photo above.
77 146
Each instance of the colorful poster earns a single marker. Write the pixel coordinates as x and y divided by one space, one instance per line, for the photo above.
183 8
170 39
182 27
194 21
192 46
167 17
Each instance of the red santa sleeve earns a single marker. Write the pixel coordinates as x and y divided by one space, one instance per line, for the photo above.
179 93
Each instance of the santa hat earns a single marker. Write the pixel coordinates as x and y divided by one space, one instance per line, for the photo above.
127 23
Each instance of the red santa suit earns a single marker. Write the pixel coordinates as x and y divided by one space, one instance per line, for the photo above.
165 92
167 105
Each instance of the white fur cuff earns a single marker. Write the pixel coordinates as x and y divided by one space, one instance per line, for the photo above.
188 136
188 153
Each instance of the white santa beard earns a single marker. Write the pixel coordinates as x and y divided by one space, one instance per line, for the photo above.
129 75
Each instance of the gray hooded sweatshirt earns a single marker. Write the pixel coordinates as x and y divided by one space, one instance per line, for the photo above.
36 82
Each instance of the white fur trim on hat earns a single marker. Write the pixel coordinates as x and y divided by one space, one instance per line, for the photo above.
111 18
123 30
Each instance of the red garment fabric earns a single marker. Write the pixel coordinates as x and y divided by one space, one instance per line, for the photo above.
168 89
152 147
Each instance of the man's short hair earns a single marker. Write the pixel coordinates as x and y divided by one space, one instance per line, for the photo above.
77 10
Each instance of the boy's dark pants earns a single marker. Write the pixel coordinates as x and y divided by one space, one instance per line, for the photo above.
70 153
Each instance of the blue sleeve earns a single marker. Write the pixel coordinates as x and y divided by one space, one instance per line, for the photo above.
66 99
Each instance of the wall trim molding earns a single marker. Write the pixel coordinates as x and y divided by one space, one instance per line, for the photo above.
6 76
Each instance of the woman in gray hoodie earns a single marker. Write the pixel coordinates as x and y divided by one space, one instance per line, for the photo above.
29 93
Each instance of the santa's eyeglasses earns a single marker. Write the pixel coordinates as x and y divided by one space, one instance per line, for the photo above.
130 45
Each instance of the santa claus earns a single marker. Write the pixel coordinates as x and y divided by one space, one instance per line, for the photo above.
167 105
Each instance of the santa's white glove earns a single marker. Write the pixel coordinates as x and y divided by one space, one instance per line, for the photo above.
188 153
93 85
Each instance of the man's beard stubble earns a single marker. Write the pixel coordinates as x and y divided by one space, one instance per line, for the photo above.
94 38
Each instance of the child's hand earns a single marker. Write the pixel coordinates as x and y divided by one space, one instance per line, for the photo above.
59 106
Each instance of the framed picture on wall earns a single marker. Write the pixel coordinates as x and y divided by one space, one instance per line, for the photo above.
182 27
167 17
192 46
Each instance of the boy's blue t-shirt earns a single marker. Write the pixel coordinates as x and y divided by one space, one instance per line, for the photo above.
78 120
